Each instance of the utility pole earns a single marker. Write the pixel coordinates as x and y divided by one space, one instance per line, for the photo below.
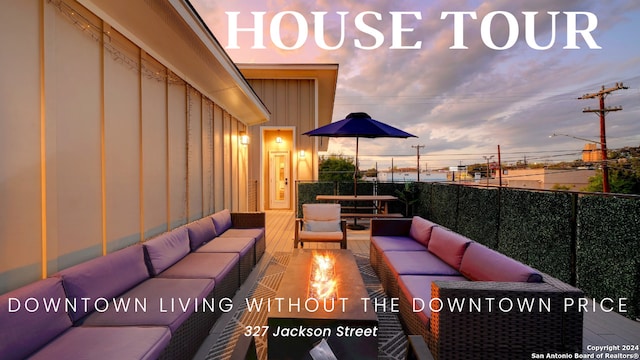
488 158
418 147
601 95
392 169
499 166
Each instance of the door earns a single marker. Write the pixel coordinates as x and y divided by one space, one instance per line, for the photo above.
279 180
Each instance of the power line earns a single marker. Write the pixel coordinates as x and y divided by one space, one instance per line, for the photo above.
508 158
474 154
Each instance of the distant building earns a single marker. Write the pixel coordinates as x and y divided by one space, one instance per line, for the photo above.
591 153
545 179
411 176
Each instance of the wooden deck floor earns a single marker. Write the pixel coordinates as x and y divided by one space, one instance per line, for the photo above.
600 328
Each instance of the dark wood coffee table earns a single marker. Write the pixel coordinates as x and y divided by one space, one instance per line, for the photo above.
297 324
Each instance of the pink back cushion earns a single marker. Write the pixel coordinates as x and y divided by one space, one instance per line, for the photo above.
420 230
23 332
480 263
167 249
222 221
448 246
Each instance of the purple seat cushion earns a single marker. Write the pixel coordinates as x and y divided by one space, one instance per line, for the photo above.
104 277
417 263
396 243
448 246
228 244
159 295
107 343
420 230
417 288
222 221
23 332
255 233
200 232
167 249
201 265
480 263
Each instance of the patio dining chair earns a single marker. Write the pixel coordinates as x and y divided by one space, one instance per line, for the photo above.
320 223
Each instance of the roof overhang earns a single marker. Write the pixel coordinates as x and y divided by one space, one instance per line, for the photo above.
172 32
326 76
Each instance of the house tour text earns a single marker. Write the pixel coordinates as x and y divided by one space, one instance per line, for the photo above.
368 29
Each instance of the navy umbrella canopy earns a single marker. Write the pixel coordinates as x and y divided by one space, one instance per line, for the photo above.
358 125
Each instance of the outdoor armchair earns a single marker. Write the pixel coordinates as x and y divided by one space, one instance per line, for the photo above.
320 223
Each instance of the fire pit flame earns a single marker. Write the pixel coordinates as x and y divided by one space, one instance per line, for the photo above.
323 284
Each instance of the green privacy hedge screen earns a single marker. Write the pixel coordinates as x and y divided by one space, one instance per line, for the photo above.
590 241
608 254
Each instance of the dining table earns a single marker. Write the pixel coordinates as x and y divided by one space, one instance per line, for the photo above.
380 202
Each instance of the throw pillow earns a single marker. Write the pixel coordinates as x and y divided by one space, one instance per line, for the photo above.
322 226
420 230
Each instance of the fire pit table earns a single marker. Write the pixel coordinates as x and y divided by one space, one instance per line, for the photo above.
335 314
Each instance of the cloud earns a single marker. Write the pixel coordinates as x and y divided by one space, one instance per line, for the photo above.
462 101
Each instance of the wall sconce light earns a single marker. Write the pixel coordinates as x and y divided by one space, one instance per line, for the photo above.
244 138
301 154
278 140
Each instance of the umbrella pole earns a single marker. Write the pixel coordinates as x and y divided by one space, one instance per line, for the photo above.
355 225
355 172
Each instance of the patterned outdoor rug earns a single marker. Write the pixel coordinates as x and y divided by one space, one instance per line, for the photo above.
392 341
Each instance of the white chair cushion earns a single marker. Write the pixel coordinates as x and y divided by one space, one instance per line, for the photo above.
322 226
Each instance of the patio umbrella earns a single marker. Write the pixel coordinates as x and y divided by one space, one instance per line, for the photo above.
357 125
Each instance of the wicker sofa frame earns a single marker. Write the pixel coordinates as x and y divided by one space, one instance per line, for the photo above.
190 335
187 337
251 220
465 333
186 340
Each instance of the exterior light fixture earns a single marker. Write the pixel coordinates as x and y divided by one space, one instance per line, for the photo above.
278 140
244 138
302 154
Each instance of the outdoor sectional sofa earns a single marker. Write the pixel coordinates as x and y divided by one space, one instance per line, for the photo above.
176 286
466 299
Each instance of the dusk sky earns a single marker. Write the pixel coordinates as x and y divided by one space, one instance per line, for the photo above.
461 103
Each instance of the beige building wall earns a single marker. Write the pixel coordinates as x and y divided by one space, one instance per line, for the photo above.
545 179
292 105
102 145
299 98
